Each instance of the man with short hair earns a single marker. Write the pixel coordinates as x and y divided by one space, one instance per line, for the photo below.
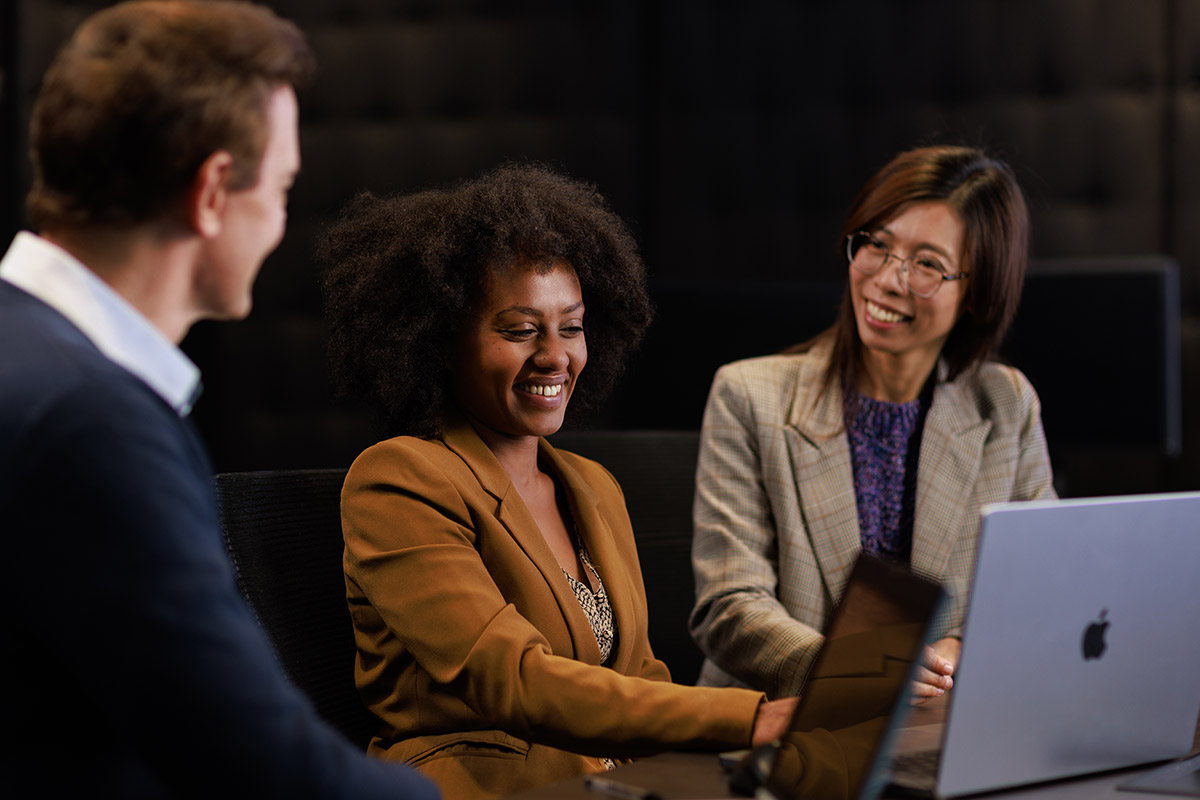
164 141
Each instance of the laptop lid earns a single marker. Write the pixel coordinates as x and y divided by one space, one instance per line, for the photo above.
1080 643
857 691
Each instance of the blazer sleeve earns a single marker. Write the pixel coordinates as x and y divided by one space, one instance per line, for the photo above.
738 620
412 549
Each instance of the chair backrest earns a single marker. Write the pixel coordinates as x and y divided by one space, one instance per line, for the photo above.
1063 340
284 534
657 473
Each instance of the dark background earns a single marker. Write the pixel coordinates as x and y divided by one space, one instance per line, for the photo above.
732 136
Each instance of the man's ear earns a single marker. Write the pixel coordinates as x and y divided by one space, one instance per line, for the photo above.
206 199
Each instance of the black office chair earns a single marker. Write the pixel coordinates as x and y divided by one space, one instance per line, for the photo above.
284 534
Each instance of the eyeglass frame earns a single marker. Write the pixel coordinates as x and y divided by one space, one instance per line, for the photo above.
904 269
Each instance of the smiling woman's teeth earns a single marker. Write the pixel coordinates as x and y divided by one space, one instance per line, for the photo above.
882 314
544 391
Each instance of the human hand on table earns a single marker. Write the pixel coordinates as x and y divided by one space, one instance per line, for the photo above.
936 675
773 720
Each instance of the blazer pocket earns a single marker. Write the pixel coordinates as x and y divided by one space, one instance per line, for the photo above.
470 744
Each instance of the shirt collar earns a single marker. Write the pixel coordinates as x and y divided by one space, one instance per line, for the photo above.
118 330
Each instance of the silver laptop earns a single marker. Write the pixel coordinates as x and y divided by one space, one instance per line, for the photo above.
1081 648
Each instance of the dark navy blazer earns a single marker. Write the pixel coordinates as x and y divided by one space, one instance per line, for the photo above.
130 666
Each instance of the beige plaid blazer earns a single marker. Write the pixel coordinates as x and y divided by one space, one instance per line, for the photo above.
776 518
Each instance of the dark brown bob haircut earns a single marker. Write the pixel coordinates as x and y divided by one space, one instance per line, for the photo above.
142 94
405 272
984 193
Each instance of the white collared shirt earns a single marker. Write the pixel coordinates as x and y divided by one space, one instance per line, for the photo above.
118 330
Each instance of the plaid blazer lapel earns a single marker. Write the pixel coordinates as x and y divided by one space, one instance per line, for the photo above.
951 453
820 456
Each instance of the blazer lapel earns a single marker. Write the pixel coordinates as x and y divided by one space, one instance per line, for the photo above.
514 515
601 545
820 465
951 452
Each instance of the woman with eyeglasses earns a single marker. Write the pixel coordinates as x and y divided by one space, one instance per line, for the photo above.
886 433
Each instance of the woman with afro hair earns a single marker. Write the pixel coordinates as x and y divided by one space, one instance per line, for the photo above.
493 580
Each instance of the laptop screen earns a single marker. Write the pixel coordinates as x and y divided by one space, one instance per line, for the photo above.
858 687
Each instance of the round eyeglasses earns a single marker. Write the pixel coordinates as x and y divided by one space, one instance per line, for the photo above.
923 274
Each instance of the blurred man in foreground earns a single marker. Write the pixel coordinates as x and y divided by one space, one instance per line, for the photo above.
164 142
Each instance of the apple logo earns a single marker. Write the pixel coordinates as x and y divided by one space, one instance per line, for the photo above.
1093 637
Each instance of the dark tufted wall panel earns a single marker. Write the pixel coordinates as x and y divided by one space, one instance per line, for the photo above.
409 95
731 135
813 97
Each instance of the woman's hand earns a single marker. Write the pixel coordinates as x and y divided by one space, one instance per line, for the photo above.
773 720
935 676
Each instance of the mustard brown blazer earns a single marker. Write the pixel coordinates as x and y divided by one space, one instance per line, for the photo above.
473 650
776 516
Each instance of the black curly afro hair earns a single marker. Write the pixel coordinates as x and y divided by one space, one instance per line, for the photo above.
404 271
